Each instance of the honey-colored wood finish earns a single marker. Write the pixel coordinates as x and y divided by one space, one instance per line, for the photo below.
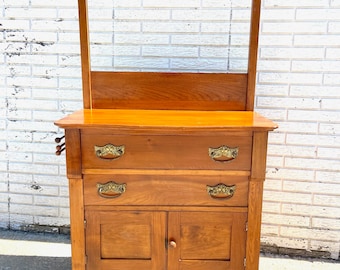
169 121
72 142
163 189
166 152
125 240
253 48
166 189
155 196
259 157
85 53
205 241
181 91
101 88
77 223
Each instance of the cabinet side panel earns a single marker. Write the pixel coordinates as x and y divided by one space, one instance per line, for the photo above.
73 153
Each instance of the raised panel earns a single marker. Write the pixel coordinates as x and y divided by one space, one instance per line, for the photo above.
154 90
205 240
117 240
131 241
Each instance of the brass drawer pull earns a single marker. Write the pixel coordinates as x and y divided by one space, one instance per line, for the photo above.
223 153
109 151
111 190
221 191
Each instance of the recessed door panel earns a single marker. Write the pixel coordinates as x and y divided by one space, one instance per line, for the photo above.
206 240
117 240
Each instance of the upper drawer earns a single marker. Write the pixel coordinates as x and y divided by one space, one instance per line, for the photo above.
166 152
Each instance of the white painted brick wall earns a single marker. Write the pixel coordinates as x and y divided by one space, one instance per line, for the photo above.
298 87
301 199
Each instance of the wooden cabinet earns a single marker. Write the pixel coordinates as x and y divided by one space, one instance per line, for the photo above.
159 197
165 240
169 181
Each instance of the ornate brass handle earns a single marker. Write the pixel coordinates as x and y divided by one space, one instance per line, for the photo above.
111 189
221 191
223 153
109 151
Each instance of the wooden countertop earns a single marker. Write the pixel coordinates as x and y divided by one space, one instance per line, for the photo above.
169 119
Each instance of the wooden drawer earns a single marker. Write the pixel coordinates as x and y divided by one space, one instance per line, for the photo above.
166 152
207 190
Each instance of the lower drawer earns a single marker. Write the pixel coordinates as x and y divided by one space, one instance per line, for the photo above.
200 190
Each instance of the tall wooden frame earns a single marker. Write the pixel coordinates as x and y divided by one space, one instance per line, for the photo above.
239 96
221 107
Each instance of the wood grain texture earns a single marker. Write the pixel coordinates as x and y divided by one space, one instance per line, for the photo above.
166 152
167 120
206 240
125 240
254 224
166 190
73 153
77 224
253 53
255 197
157 90
85 53
175 172
259 155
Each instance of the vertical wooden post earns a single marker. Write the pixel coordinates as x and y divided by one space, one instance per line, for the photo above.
253 48
257 178
77 224
85 53
74 174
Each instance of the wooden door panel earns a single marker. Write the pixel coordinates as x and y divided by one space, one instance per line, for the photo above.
202 241
206 240
117 240
135 238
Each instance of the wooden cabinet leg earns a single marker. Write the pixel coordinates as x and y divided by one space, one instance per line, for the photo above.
77 224
254 225
258 174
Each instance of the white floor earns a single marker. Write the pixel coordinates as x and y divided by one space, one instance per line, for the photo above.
279 263
34 248
50 249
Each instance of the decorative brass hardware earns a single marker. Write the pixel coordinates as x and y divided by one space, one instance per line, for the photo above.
111 189
223 153
109 151
221 191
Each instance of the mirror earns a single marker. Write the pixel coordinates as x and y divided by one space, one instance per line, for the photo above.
208 36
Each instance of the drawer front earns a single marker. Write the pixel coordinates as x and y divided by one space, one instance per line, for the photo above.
166 152
165 190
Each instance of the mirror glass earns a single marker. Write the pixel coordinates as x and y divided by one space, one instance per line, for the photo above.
169 35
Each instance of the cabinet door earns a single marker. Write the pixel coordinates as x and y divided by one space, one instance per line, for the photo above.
129 240
206 240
